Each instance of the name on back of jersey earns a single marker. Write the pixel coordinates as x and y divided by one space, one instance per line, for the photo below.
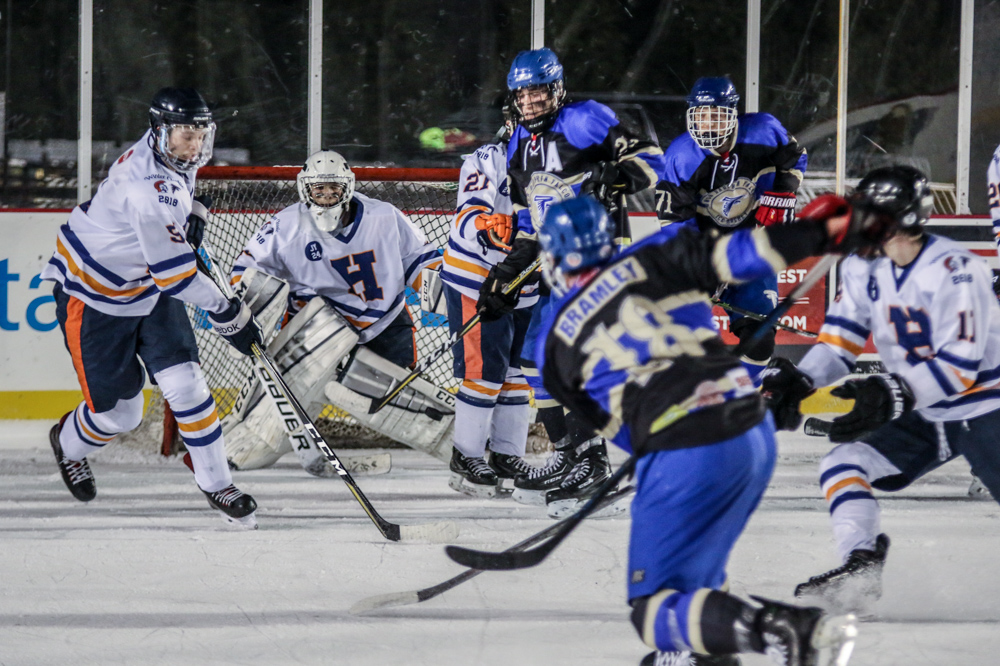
605 287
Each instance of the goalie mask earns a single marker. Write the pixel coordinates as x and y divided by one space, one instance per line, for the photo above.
326 185
711 114
183 132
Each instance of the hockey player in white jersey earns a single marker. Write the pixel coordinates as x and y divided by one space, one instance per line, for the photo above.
993 185
492 408
930 309
347 260
123 265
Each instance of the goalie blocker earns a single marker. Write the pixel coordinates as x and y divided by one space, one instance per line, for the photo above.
319 357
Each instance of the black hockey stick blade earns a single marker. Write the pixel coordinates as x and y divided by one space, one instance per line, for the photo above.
817 427
523 559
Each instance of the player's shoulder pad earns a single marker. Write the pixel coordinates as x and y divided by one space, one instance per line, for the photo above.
585 123
949 259
489 159
858 269
681 159
761 128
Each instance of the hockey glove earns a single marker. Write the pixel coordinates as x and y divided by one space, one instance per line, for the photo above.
605 179
776 208
493 303
877 400
237 325
197 220
784 387
495 231
851 225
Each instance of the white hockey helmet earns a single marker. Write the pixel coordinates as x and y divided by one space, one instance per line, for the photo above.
326 185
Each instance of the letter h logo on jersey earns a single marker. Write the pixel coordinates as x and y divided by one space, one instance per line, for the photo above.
363 273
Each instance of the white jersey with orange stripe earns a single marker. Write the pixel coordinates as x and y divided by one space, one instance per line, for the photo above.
119 251
482 190
362 269
993 185
935 322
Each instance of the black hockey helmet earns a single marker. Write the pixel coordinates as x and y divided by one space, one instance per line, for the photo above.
899 191
182 109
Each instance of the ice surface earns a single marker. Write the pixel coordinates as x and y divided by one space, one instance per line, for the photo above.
147 574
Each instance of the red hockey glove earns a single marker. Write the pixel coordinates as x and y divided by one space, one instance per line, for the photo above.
776 208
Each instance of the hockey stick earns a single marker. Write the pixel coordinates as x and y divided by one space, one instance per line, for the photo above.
416 596
432 358
817 427
759 317
278 390
477 559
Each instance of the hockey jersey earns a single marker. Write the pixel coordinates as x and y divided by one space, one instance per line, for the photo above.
635 351
119 251
362 270
935 322
483 189
993 183
583 134
721 191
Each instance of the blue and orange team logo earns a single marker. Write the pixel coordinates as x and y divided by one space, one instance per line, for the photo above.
165 187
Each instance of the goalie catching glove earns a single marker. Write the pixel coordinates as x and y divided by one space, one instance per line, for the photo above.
236 324
878 400
784 387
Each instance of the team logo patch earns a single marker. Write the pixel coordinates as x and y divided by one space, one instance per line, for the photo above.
544 190
731 204
314 251
955 263
165 187
873 288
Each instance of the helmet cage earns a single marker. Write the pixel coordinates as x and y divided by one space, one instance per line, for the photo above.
556 95
711 126
179 162
325 167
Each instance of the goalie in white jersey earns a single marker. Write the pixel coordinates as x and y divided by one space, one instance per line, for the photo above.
123 265
347 260
929 306
493 400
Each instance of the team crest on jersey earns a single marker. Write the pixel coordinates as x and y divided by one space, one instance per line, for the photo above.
873 288
314 251
955 263
504 188
729 205
165 187
544 190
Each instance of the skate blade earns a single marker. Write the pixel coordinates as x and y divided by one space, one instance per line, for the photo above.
565 508
529 497
459 483
834 639
443 532
248 522
504 488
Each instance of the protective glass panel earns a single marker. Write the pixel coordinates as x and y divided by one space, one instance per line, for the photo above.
985 102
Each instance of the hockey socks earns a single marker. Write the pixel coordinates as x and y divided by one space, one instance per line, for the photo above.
85 432
704 621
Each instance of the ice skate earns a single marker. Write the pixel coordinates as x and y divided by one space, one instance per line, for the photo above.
978 491
796 636
688 659
530 488
235 506
589 473
472 476
76 475
855 586
507 468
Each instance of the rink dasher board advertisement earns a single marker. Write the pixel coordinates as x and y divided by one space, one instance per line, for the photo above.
36 374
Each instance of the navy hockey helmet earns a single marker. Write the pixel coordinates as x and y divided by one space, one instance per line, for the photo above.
902 192
575 235
183 128
712 114
535 81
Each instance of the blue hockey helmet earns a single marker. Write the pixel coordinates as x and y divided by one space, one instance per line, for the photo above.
535 81
712 114
183 128
575 235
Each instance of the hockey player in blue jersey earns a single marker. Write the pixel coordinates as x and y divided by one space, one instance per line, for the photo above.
123 269
728 172
632 347
929 306
558 150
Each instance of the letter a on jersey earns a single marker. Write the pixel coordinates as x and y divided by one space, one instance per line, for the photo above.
364 272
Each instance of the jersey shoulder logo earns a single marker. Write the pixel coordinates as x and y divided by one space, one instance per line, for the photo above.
314 251
729 205
873 288
953 263
165 187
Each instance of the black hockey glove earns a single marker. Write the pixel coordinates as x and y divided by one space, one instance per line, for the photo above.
237 325
877 400
784 387
493 303
605 179
198 219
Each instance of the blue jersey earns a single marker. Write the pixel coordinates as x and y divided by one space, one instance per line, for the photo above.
721 190
635 352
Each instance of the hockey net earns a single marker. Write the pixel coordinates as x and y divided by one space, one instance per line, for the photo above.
243 198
